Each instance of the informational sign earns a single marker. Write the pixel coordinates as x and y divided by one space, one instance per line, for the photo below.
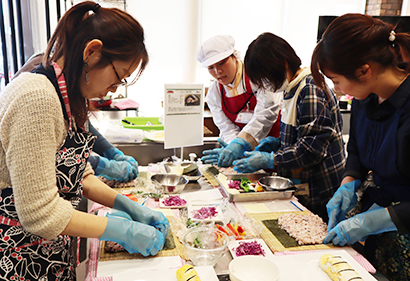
184 111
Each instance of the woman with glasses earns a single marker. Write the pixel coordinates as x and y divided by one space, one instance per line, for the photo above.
107 161
243 113
45 147
369 60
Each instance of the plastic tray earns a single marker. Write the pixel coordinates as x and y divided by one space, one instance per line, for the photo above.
140 123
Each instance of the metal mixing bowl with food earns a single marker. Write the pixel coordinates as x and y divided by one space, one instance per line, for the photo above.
171 183
276 183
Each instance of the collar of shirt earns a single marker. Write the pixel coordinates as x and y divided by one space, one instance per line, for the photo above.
382 111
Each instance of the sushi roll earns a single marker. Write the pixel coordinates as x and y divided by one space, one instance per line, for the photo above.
338 269
187 273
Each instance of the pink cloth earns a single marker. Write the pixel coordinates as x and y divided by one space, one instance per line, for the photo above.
359 258
127 104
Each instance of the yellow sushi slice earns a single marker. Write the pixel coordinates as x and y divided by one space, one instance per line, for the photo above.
187 273
338 269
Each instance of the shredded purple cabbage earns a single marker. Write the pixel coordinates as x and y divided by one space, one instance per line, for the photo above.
249 248
204 213
174 201
236 184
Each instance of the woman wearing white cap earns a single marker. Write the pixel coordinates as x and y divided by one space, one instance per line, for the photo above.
243 112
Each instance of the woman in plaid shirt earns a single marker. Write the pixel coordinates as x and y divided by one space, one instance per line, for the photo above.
310 149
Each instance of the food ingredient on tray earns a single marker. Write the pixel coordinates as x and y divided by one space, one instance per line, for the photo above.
305 228
174 200
249 248
338 269
187 273
117 184
233 230
190 223
245 185
204 213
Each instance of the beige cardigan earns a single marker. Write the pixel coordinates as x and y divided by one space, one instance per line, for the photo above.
32 129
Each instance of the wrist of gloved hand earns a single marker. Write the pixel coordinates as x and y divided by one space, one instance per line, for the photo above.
142 214
233 151
134 236
116 170
357 228
343 201
269 144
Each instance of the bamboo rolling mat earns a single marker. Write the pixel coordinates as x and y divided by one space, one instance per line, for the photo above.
179 250
272 241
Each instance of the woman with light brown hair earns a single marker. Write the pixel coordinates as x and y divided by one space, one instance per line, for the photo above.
368 59
44 149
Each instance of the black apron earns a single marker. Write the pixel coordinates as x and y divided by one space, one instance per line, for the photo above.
25 256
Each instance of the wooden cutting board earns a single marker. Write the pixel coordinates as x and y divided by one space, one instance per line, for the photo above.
277 244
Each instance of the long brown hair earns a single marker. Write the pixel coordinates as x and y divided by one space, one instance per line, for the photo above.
122 37
266 60
353 40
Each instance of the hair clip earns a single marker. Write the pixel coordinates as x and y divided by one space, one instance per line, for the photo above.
95 8
392 36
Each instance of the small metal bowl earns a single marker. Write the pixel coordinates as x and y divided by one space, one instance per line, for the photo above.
171 183
275 183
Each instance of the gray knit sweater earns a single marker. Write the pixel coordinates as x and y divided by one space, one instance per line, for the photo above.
32 129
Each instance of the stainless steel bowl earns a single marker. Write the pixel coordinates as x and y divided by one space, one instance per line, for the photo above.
170 182
275 183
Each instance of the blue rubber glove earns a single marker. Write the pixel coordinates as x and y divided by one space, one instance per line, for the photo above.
255 161
268 144
134 236
233 151
142 214
212 155
118 155
115 170
357 228
343 201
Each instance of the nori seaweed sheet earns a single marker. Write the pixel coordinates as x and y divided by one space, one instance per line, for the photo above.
169 241
284 238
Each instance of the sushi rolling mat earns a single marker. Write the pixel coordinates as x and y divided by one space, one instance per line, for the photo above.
281 242
178 250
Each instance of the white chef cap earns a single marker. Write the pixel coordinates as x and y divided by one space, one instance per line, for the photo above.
215 49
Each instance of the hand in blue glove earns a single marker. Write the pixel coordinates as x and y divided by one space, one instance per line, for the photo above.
357 228
115 170
269 144
233 151
118 155
134 236
212 155
255 161
142 214
343 201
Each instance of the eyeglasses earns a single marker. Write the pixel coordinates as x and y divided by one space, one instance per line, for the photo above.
122 82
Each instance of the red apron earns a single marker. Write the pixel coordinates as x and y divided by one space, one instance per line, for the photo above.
232 106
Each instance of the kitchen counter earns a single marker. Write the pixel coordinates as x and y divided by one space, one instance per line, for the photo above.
113 270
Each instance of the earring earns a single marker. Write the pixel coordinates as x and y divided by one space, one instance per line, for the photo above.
87 79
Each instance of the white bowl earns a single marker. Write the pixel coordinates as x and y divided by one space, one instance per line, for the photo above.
251 268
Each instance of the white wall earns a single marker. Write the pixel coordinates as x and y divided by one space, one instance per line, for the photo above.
175 28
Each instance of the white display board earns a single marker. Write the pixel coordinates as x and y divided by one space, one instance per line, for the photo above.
183 115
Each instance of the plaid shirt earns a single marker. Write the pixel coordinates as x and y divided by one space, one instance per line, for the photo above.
312 145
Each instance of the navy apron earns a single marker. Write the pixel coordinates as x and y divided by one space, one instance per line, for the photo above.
26 256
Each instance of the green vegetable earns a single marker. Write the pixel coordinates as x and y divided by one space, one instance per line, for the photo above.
191 223
245 184
197 243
